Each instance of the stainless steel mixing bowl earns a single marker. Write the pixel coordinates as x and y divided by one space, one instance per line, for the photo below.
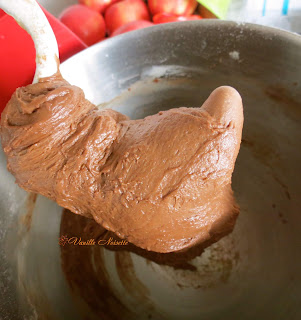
254 273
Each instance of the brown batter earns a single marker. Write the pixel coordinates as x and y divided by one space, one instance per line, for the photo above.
163 182
76 228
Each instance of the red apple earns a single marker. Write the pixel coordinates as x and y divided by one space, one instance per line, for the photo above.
98 5
86 23
176 7
166 17
133 25
124 12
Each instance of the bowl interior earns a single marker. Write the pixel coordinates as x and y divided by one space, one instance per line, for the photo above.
252 273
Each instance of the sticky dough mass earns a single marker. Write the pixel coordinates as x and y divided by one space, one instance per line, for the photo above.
162 182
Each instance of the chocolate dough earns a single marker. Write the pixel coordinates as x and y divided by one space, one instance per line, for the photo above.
162 182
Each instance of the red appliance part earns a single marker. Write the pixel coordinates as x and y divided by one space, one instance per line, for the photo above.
17 53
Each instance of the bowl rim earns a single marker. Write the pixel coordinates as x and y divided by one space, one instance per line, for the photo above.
261 30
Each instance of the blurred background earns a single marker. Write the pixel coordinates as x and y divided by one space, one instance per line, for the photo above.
285 14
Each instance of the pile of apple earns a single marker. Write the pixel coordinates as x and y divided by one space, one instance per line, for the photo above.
94 20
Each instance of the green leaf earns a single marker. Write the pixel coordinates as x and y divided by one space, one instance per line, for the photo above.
217 7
